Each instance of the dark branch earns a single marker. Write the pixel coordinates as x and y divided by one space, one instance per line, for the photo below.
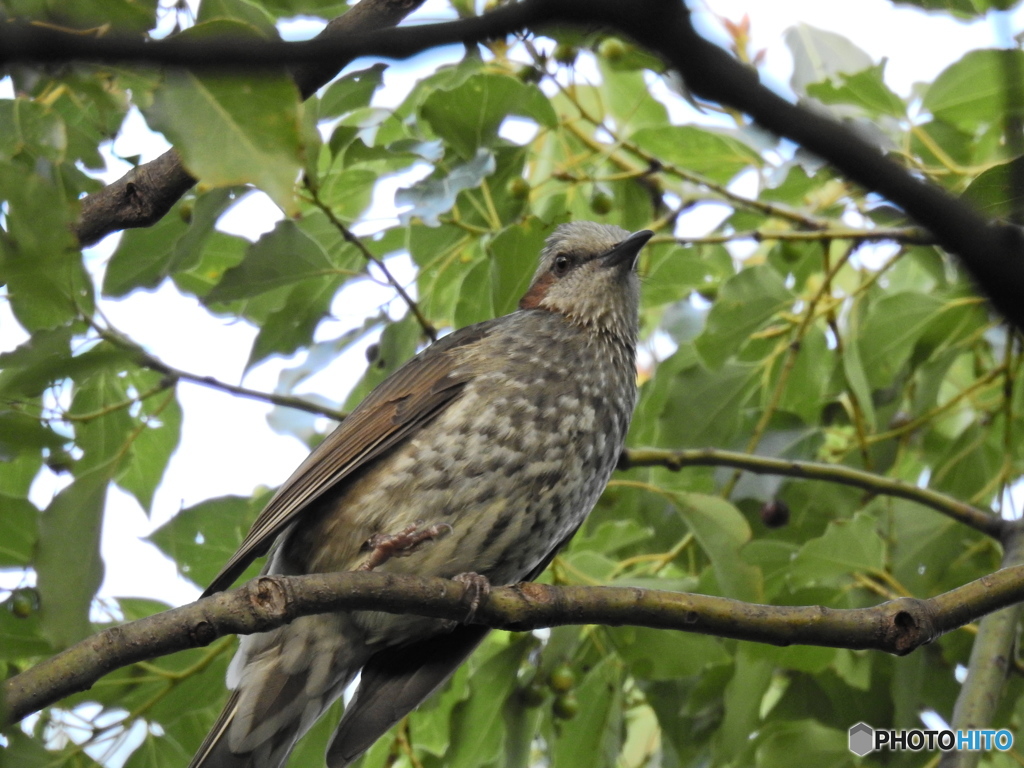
898 626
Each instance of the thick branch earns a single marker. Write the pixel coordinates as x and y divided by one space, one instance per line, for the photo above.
898 626
976 518
145 194
991 251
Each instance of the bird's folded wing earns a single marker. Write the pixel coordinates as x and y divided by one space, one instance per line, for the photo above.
411 397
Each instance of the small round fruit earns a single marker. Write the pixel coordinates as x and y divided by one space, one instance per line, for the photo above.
533 695
601 203
518 188
22 603
562 678
775 513
612 49
565 706
565 53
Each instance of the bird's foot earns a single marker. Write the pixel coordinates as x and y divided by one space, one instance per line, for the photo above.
384 546
477 588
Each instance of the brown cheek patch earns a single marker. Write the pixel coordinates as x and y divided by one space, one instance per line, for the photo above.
537 292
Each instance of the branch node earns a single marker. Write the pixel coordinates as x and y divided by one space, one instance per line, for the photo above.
910 625
202 633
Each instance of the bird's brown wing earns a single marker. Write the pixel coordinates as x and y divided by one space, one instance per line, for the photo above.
411 397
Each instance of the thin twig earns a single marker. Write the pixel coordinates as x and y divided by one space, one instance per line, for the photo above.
146 360
426 325
971 516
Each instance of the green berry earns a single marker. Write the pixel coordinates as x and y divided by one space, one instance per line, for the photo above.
518 188
533 695
562 679
565 706
612 49
565 53
22 603
601 203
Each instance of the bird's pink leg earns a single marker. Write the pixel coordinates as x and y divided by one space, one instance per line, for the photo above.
384 546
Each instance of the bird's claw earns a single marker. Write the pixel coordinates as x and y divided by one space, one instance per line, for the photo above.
477 588
384 546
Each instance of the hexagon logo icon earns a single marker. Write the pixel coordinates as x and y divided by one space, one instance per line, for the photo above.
862 737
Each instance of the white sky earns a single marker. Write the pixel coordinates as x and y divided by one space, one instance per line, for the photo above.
226 446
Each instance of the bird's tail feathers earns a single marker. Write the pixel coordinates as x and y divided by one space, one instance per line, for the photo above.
283 681
393 683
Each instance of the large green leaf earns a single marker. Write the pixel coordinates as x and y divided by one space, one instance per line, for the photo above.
233 129
468 115
67 559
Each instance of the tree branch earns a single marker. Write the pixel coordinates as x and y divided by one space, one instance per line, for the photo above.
971 516
990 250
898 626
145 194
146 360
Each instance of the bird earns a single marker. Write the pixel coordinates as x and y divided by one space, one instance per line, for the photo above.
477 459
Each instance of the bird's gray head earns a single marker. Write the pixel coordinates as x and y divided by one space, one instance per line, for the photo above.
587 272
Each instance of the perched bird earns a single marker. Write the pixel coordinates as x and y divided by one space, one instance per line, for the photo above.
482 455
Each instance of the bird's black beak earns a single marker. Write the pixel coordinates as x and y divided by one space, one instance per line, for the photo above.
624 254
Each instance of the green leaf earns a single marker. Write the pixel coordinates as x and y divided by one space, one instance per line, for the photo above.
103 433
233 129
68 561
712 154
284 256
31 127
477 727
18 531
722 532
153 444
889 332
594 736
746 301
468 115
514 252
707 406
47 284
435 195
20 432
291 327
351 91
820 55
657 654
801 744
742 699
848 546
855 372
865 89
348 192
397 345
123 16
971 94
200 539
995 192
629 100
247 11
474 304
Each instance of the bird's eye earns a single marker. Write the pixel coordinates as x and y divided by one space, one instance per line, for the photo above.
561 265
